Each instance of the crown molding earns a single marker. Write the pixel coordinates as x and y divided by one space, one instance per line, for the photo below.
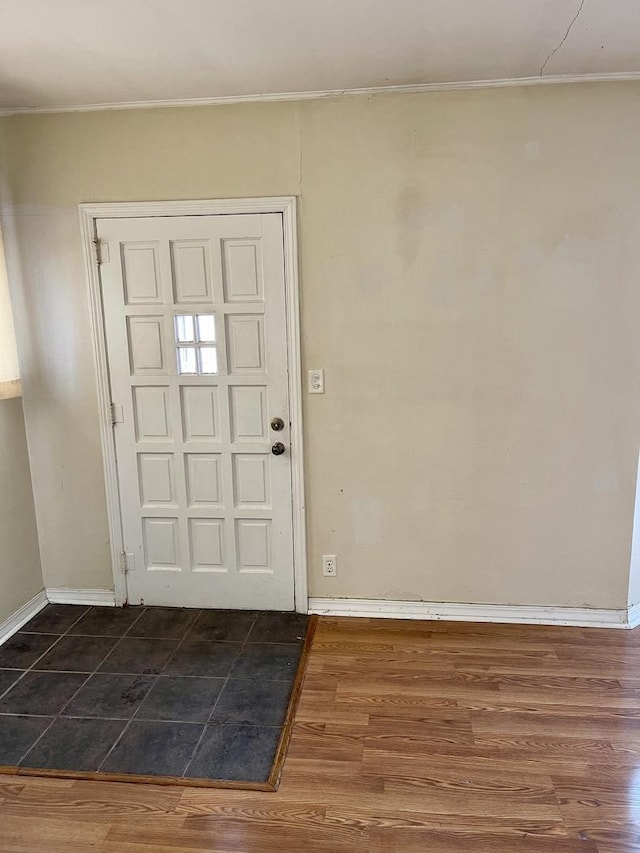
409 89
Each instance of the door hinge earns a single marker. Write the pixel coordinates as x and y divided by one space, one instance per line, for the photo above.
116 413
127 562
101 252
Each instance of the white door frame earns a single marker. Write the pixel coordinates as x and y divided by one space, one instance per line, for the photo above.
286 206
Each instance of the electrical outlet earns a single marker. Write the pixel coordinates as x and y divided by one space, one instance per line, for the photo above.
329 565
316 380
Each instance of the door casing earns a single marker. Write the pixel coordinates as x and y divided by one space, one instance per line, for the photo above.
284 205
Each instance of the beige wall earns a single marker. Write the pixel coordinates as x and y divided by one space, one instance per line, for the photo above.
469 269
20 573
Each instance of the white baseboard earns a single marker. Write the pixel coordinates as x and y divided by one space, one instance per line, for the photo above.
22 615
582 617
99 597
634 616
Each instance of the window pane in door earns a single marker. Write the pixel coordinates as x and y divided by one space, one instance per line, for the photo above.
208 360
185 328
187 360
206 328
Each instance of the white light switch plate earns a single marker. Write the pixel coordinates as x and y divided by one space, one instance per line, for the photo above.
316 381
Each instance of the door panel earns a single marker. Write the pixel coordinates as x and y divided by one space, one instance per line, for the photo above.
195 324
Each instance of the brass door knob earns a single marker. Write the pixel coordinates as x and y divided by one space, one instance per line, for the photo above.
278 448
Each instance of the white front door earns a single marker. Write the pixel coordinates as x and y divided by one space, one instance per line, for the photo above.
195 325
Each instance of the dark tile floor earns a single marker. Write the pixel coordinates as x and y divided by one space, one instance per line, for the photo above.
149 690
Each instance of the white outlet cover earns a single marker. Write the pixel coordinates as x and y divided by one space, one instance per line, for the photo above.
329 565
315 378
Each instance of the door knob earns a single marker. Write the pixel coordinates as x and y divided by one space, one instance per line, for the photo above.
277 424
278 448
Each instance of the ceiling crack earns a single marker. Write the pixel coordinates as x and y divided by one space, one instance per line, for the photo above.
566 36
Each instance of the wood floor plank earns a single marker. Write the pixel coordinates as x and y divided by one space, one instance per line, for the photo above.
612 727
93 800
468 838
41 828
314 741
227 835
410 736
455 772
609 836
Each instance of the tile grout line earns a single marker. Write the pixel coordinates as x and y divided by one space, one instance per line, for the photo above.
227 679
159 674
155 681
215 704
55 718
46 652
150 720
133 625
118 639
71 698
127 721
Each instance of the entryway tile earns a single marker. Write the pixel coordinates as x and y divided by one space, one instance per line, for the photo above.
77 654
74 744
279 628
7 678
181 699
266 660
250 701
150 691
110 696
41 693
55 619
22 650
235 753
163 623
152 747
146 657
107 621
18 734
213 660
229 625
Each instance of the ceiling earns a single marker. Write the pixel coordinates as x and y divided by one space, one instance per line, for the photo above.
65 53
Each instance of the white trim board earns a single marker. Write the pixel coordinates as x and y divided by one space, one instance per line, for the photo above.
99 597
581 617
405 89
22 615
634 615
286 206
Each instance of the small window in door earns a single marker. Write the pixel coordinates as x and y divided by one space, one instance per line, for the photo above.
196 344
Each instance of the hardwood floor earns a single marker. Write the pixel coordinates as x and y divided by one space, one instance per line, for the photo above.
410 736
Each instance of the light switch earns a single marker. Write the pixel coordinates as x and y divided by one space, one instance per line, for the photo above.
316 381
